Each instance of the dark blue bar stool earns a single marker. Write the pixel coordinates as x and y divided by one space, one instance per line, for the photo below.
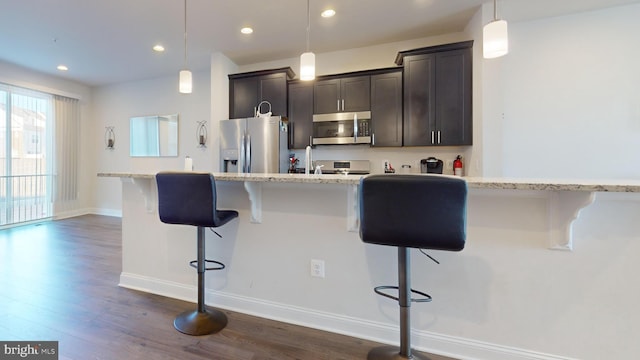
189 198
411 211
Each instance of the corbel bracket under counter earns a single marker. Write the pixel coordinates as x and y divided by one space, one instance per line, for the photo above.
144 182
253 184
146 186
254 189
566 199
564 208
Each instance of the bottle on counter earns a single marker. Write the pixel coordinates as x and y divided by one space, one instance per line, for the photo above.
188 164
457 166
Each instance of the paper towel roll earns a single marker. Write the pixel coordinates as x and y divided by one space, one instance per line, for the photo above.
188 164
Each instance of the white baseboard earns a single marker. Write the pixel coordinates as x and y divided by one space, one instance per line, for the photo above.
69 214
106 212
451 346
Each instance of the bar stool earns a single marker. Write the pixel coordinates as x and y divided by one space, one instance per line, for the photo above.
411 211
189 198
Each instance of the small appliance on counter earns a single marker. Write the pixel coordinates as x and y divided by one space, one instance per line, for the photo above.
353 167
431 165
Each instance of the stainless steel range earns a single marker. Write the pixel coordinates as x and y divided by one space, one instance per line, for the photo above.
354 167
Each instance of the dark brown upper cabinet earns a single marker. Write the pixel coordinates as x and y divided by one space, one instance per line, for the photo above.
300 99
386 108
437 95
342 94
247 90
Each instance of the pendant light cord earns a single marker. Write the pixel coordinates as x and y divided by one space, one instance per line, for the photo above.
308 24
185 34
495 10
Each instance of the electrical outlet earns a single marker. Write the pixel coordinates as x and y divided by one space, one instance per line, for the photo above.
317 268
449 165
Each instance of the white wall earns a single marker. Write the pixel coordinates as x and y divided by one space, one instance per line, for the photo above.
221 67
115 104
18 76
569 93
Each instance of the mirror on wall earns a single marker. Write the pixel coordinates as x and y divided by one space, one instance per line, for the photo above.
155 135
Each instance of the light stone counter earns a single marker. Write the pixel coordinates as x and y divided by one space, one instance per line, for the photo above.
473 182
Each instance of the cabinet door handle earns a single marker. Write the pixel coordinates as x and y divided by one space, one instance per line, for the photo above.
373 139
310 142
290 135
338 104
433 137
438 136
342 104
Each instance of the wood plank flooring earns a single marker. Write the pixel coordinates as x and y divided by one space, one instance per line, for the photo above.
58 281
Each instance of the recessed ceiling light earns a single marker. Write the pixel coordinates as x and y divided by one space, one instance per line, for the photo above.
158 48
328 13
246 30
62 68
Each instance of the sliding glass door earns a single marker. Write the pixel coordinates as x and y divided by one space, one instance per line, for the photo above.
25 155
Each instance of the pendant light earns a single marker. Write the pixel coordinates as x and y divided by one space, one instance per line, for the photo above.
495 37
308 59
185 84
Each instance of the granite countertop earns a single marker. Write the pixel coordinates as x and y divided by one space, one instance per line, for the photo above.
473 182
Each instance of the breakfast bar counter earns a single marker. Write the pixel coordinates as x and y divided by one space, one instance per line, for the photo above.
510 262
566 198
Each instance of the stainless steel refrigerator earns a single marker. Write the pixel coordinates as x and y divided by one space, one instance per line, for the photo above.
254 145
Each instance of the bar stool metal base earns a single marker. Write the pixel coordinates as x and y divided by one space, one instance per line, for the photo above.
194 322
392 353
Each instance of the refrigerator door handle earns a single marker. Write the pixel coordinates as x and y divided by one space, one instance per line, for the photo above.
241 157
248 154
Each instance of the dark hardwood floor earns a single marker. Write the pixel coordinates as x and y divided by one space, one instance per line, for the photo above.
58 281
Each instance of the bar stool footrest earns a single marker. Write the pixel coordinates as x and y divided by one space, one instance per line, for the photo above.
378 290
194 264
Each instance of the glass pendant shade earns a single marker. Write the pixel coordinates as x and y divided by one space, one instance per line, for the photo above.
495 39
307 66
186 84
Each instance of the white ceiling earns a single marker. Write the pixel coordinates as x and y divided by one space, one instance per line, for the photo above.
109 41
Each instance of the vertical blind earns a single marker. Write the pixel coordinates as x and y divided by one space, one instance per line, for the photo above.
66 147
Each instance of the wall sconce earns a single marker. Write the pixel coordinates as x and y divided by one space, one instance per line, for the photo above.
201 133
109 137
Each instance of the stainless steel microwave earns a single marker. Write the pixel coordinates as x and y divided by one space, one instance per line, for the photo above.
342 128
